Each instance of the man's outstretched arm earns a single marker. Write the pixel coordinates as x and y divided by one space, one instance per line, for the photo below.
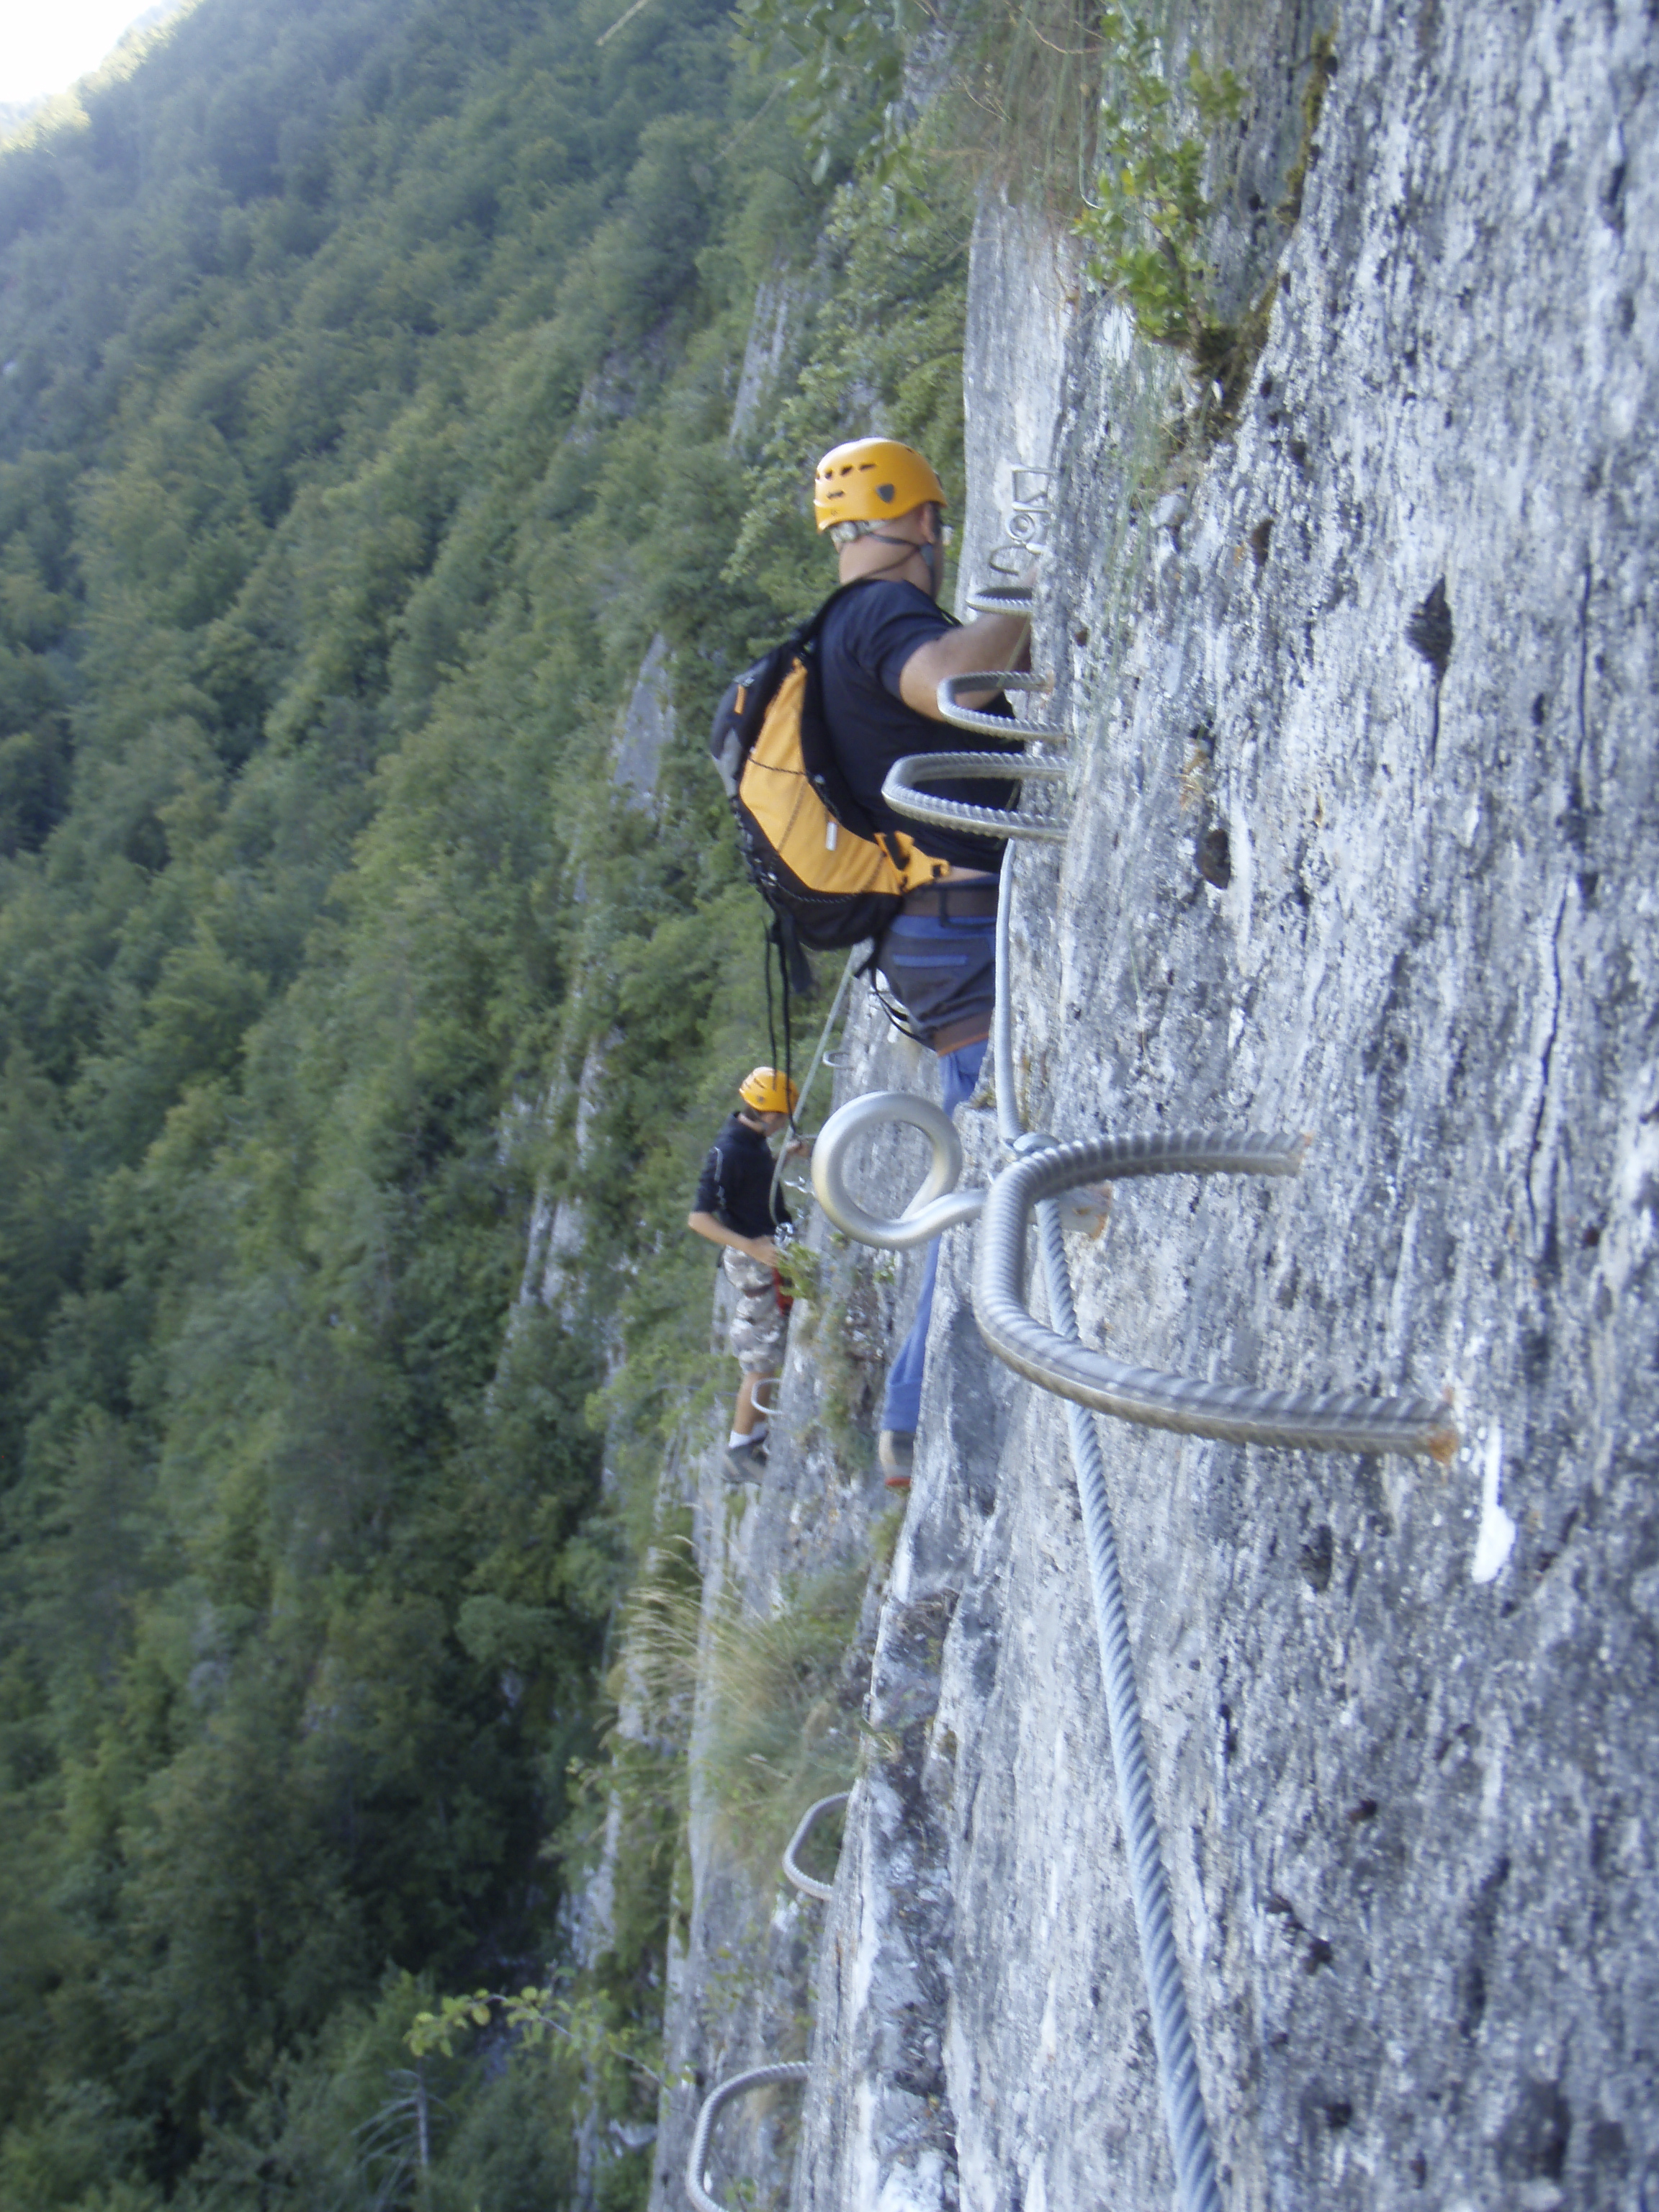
989 641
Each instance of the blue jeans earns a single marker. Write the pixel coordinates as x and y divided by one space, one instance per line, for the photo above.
901 1408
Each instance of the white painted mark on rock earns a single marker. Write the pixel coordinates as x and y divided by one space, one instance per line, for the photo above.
1495 1538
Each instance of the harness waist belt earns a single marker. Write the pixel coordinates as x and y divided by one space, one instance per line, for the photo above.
952 900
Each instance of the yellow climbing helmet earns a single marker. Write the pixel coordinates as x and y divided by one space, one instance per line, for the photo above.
870 477
768 1091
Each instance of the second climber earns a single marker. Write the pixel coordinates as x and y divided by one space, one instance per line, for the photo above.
735 1208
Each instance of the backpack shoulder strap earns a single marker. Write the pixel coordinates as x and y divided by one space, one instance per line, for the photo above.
817 750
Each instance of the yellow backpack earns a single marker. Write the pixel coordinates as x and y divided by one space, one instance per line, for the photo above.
811 850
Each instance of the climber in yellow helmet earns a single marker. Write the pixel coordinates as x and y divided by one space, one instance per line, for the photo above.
735 1208
883 650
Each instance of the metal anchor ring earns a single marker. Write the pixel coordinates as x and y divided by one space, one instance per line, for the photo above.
939 1205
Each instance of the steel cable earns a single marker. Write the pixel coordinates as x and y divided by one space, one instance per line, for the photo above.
1198 2188
1178 2076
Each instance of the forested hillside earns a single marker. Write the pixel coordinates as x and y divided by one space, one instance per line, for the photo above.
366 380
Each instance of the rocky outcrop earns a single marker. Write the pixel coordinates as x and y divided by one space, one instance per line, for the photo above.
1364 833
646 727
1364 828
781 305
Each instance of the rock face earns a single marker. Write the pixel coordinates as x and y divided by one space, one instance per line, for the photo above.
1364 839
742 1941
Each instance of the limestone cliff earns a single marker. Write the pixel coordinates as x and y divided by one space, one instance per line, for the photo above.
1363 839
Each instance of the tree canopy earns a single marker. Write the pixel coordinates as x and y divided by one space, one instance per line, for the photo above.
367 377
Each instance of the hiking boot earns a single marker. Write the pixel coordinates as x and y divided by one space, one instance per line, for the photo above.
744 1461
896 1454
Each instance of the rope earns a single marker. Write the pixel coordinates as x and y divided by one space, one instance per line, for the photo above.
758 2077
767 943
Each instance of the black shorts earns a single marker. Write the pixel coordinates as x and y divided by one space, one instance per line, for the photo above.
942 969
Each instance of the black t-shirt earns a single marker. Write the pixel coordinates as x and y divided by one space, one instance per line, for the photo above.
867 637
736 1182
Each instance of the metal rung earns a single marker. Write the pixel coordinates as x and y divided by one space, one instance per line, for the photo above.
821 1890
757 2077
900 792
1014 556
1345 1421
995 725
1002 599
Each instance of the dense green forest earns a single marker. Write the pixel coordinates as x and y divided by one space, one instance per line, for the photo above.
367 374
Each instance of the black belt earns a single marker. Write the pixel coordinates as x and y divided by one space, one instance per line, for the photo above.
946 900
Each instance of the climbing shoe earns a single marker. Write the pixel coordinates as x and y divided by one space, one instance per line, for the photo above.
895 1452
744 1461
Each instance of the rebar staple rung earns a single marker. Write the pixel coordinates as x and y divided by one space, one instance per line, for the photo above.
1002 599
757 2077
1314 1420
899 791
995 725
821 1890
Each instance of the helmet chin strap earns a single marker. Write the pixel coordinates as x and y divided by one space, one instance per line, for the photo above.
922 545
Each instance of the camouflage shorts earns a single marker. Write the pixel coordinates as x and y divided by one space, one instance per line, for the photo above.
757 1327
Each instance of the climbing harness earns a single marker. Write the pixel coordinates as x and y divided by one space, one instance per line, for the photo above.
757 2077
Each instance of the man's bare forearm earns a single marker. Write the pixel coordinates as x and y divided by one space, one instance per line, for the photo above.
989 641
711 1226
